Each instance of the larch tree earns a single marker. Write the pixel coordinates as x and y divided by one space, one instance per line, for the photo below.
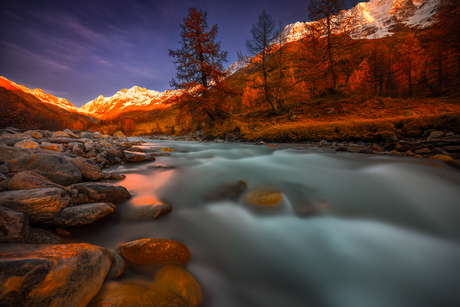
199 63
411 55
333 27
263 33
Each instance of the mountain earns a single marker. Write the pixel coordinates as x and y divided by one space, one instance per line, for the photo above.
127 100
33 109
38 93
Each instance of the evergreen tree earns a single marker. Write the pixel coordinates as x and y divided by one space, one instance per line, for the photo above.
198 62
263 33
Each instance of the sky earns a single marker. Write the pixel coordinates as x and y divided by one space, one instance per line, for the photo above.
81 49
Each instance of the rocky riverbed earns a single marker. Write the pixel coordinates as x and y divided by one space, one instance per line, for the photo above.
51 181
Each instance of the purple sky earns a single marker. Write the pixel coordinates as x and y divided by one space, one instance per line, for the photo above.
81 49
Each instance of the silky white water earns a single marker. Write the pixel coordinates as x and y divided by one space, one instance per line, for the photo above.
392 237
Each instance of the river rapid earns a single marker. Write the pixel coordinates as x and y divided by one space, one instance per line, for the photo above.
390 238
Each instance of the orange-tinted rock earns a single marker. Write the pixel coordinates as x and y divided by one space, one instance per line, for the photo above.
423 151
155 251
102 192
81 215
31 180
38 205
135 294
89 170
150 212
441 157
176 279
9 153
167 149
263 196
27 144
137 156
51 275
52 146
15 225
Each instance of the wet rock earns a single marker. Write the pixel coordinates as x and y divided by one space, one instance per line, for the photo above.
135 293
263 197
9 153
27 144
52 166
136 149
454 163
118 264
439 151
177 280
89 170
106 157
4 185
31 180
79 199
12 130
81 215
115 151
41 236
150 212
441 157
14 225
119 136
3 177
116 176
167 149
52 146
88 135
89 145
341 149
423 151
312 206
61 140
435 135
38 205
410 153
102 192
402 147
51 275
395 153
155 251
229 191
137 156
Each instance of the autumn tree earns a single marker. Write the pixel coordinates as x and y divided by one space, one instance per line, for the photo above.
333 27
410 60
263 33
199 64
129 126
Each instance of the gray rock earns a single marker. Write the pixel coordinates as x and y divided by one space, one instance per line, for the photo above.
102 192
114 151
60 134
12 130
78 199
423 151
439 151
80 215
9 153
229 191
92 153
118 264
453 148
89 145
4 185
35 134
4 170
14 225
61 140
89 169
76 144
106 157
38 205
435 135
88 135
70 133
54 167
52 275
12 139
41 236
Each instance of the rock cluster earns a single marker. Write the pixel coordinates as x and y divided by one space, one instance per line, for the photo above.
48 182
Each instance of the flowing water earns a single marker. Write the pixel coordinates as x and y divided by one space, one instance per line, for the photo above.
391 238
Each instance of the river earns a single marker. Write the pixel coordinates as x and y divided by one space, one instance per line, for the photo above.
390 238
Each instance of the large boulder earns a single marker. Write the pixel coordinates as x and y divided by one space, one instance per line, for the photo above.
54 167
229 191
89 170
14 225
137 156
9 153
263 197
102 192
80 215
38 205
155 251
135 293
177 280
51 275
29 181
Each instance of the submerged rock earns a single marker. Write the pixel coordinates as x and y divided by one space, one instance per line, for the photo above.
81 215
52 166
155 251
150 212
137 156
263 197
38 205
177 280
14 225
118 264
135 293
102 192
229 191
51 275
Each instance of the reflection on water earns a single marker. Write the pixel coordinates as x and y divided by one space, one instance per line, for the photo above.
392 237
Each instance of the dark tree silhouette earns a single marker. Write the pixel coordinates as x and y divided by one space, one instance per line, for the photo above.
199 60
263 33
